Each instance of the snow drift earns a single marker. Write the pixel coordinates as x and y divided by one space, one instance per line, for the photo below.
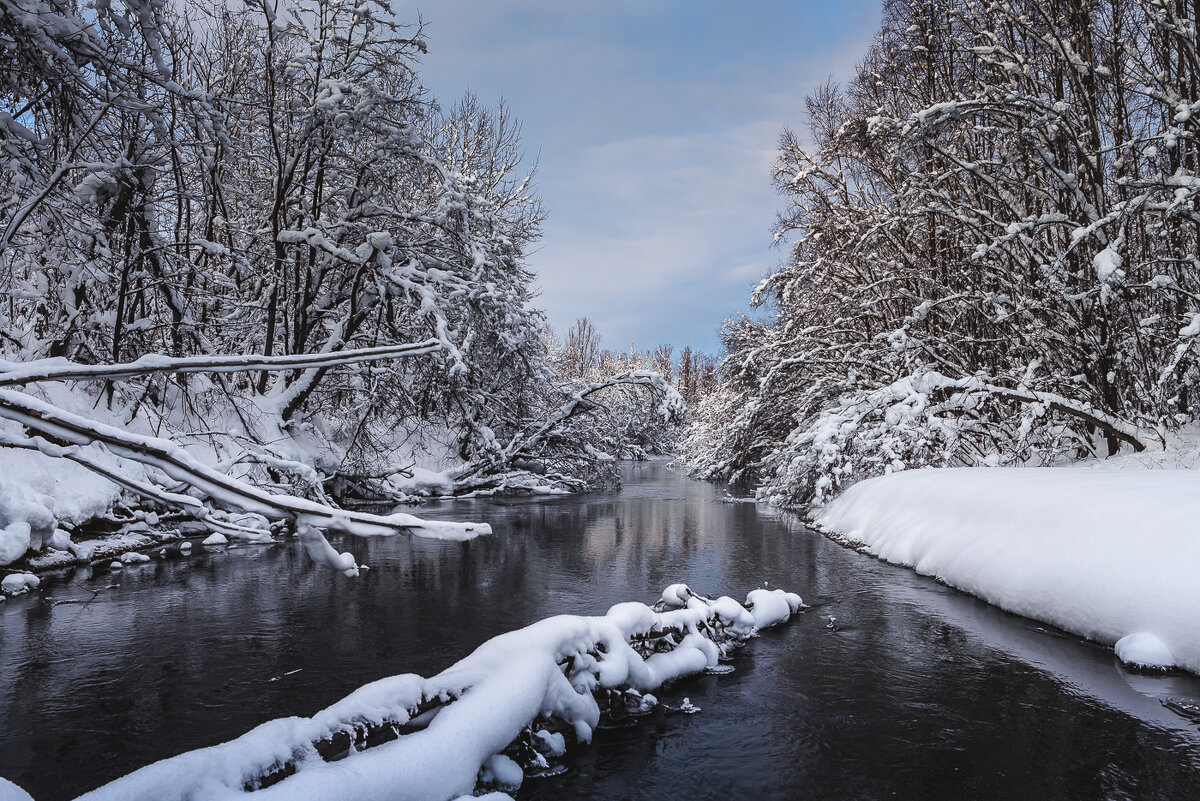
1105 554
408 737
11 792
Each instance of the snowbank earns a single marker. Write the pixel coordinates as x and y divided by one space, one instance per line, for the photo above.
421 482
36 492
1106 554
39 492
11 792
19 583
455 729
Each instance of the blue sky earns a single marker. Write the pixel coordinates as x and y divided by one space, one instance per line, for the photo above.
655 125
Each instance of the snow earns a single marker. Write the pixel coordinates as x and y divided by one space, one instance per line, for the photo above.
502 772
553 742
36 491
459 722
14 542
676 595
1107 265
11 792
742 621
215 539
1109 555
1145 650
112 546
18 583
771 607
421 481
324 554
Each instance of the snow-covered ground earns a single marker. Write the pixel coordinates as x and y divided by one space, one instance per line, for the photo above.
11 792
38 493
539 685
1110 554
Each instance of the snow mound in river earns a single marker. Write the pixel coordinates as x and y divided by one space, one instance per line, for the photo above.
1102 553
454 730
1145 650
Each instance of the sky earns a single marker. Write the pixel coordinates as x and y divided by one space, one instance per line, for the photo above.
654 124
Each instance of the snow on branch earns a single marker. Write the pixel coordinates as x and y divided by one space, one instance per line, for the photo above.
1131 435
925 418
671 405
514 703
65 428
499 467
58 369
84 456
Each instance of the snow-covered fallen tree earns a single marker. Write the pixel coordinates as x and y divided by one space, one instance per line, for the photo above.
518 700
1110 555
200 489
540 457
59 432
558 452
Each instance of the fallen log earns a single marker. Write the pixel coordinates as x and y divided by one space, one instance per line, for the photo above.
408 737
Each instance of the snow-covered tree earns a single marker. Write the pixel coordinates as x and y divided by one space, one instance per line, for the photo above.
251 233
992 234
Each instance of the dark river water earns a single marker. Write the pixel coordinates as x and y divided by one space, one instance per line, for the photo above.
916 691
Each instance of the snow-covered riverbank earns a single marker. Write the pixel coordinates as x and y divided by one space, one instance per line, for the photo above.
1111 555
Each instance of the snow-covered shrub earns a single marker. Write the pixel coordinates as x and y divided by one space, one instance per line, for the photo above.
870 433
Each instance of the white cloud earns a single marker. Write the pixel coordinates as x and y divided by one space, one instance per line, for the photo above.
655 124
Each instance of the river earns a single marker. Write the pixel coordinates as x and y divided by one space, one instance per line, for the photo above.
912 690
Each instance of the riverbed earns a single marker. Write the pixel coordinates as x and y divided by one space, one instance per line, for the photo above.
888 685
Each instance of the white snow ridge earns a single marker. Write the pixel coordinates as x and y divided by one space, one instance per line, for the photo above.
445 737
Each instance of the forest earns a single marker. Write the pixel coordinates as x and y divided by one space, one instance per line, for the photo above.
991 233
245 247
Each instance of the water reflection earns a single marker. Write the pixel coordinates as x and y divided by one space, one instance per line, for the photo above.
918 691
